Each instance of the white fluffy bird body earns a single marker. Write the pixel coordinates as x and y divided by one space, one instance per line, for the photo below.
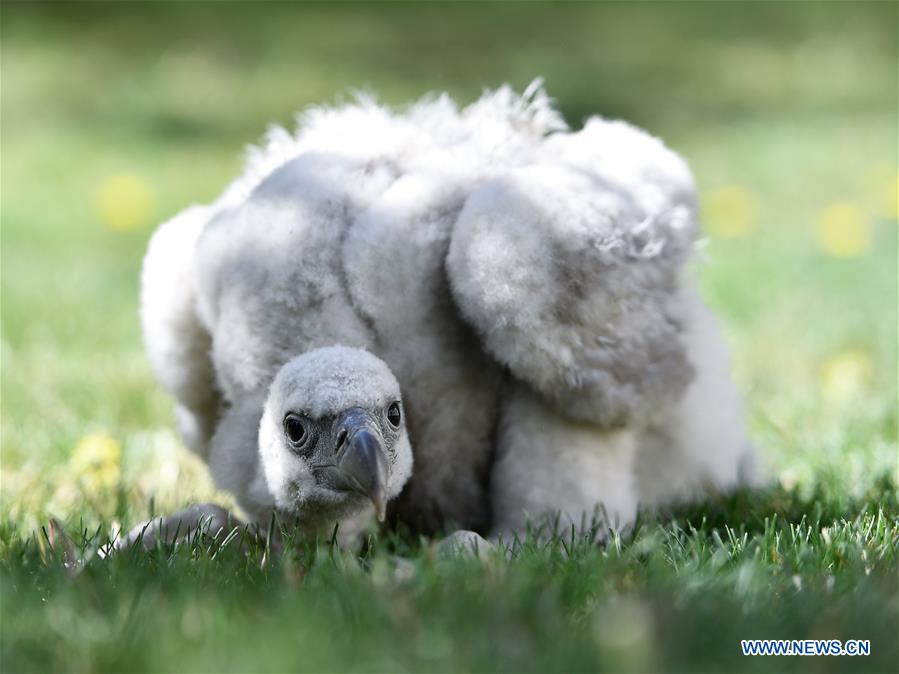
526 286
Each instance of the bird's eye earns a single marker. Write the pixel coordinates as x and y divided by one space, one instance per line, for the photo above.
394 415
295 429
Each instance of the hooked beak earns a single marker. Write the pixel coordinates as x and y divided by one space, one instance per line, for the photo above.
361 466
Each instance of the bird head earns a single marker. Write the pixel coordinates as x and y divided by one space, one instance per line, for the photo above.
333 440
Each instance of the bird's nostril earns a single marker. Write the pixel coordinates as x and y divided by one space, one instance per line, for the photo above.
341 439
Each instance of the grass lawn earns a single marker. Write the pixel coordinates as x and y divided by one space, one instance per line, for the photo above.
116 116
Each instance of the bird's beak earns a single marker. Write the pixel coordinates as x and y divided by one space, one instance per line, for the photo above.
362 467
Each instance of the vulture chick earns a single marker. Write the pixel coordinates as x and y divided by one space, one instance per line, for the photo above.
501 298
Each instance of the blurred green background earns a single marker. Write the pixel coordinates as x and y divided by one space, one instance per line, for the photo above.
117 115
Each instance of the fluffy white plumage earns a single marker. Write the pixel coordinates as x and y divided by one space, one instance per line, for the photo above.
525 285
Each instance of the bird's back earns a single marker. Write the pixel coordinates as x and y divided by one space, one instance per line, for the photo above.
330 250
339 235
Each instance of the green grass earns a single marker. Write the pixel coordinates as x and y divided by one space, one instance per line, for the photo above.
678 596
793 103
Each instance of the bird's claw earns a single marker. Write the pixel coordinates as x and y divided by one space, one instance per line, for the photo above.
464 542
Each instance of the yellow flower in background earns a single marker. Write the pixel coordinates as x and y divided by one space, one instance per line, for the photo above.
846 375
843 230
96 461
893 198
730 212
124 201
880 187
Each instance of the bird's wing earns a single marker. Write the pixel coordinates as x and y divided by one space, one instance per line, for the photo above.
177 343
570 270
